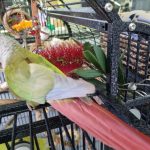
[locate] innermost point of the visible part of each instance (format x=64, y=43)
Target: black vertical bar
x=94, y=141
x=128, y=56
x=72, y=134
x=83, y=141
x=137, y=61
x=7, y=146
x=147, y=58
x=36, y=143
x=61, y=138
x=68, y=28
x=31, y=131
x=66, y=131
x=77, y=144
x=102, y=146
x=127, y=62
x=89, y=140
x=137, y=57
x=49, y=134
x=14, y=132
x=113, y=59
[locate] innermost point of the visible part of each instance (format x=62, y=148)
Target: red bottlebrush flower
x=67, y=55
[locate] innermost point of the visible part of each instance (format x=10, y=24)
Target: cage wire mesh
x=133, y=45
x=21, y=119
x=135, y=48
x=17, y=123
x=80, y=32
x=80, y=20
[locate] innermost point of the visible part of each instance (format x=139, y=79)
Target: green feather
x=25, y=81
x=26, y=72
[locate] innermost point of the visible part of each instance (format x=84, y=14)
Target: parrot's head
x=7, y=45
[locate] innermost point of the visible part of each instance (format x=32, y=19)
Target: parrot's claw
x=29, y=107
x=38, y=114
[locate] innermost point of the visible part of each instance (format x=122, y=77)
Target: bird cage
x=124, y=37
x=98, y=22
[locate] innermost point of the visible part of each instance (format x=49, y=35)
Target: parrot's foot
x=98, y=100
x=38, y=114
x=4, y=87
x=29, y=107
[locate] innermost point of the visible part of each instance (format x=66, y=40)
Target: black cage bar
x=97, y=22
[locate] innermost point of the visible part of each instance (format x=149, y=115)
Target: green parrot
x=34, y=79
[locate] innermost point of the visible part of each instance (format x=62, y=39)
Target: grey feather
x=66, y=87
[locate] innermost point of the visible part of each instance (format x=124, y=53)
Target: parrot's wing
x=66, y=87
x=35, y=58
x=30, y=81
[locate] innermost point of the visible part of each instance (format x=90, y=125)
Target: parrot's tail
x=66, y=87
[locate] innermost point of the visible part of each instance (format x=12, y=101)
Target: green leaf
x=88, y=74
x=92, y=59
x=87, y=46
x=101, y=57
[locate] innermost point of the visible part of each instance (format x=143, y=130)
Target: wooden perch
x=103, y=125
x=8, y=101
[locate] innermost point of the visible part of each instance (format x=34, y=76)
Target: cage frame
x=115, y=26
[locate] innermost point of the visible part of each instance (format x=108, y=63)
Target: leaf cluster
x=98, y=70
